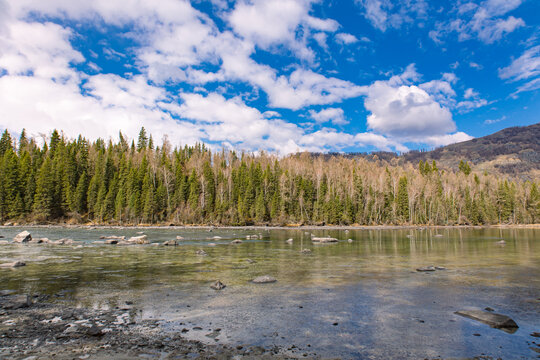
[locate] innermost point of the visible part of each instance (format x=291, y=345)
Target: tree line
x=128, y=182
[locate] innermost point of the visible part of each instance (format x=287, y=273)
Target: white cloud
x=475, y=66
x=334, y=115
x=443, y=140
x=346, y=38
x=484, y=21
x=384, y=14
x=524, y=67
x=406, y=112
x=470, y=93
x=494, y=121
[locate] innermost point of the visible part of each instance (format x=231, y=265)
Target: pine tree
x=142, y=143
x=403, y=199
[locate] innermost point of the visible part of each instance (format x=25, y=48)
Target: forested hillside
x=123, y=182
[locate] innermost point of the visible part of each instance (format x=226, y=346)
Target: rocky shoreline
x=31, y=327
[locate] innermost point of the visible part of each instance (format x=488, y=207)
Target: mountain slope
x=514, y=150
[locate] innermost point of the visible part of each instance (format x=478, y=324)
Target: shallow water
x=369, y=287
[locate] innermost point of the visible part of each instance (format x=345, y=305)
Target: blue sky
x=275, y=75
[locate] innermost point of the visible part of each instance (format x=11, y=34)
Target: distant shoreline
x=262, y=227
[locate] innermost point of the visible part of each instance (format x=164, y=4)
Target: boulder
x=110, y=241
x=170, y=243
x=13, y=264
x=501, y=243
x=350, y=240
x=237, y=241
x=141, y=239
x=497, y=321
x=290, y=241
x=39, y=241
x=201, y=252
x=218, y=285
x=324, y=240
x=265, y=279
x=426, y=268
x=4, y=242
x=22, y=237
x=179, y=238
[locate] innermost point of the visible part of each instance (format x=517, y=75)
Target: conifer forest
x=130, y=182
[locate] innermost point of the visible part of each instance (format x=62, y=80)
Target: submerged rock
x=251, y=261
x=22, y=237
x=4, y=242
x=110, y=241
x=112, y=237
x=350, y=241
x=15, y=301
x=218, y=285
x=62, y=242
x=265, y=279
x=170, y=243
x=237, y=241
x=14, y=264
x=305, y=251
x=501, y=243
x=40, y=241
x=290, y=241
x=324, y=240
x=141, y=239
x=201, y=252
x=497, y=321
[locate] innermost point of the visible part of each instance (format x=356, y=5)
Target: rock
x=217, y=237
x=63, y=242
x=350, y=240
x=94, y=331
x=426, y=268
x=179, y=238
x=8, y=223
x=141, y=239
x=4, y=242
x=251, y=237
x=15, y=301
x=112, y=237
x=290, y=241
x=40, y=241
x=501, y=243
x=438, y=235
x=497, y=321
x=22, y=237
x=218, y=285
x=440, y=268
x=251, y=261
x=201, y=252
x=265, y=279
x=535, y=334
x=305, y=251
x=212, y=244
x=110, y=241
x=170, y=243
x=2, y=236
x=489, y=309
x=324, y=240
x=13, y=264
x=237, y=241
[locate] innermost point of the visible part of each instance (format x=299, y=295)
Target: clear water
x=369, y=287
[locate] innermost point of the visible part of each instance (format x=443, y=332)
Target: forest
x=123, y=182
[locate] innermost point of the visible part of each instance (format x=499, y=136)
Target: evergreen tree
x=403, y=199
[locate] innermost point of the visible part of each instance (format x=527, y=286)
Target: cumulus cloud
x=406, y=112
x=334, y=115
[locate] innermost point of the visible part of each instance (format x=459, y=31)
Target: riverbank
x=33, y=328
x=271, y=227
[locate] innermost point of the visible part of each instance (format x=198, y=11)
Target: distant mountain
x=513, y=151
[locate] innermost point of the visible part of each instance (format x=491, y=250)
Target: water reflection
x=369, y=287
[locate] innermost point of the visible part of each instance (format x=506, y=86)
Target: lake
x=352, y=299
